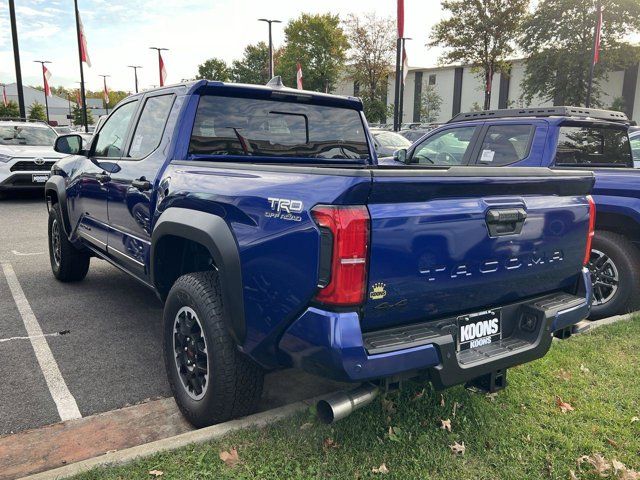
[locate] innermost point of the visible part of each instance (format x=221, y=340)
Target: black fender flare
x=214, y=234
x=57, y=185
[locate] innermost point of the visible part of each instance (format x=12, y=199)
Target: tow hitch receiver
x=489, y=383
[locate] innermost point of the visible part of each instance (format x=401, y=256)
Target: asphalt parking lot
x=101, y=338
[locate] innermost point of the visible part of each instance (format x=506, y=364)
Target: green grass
x=518, y=434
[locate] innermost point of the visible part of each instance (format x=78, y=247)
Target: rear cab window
x=593, y=146
x=505, y=144
x=246, y=127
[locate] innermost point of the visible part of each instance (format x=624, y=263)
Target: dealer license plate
x=39, y=178
x=479, y=329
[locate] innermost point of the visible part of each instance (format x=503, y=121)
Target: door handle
x=103, y=177
x=506, y=221
x=141, y=184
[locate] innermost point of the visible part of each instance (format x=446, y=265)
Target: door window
x=445, y=148
x=150, y=126
x=505, y=144
x=113, y=133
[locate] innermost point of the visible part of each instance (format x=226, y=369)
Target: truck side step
x=489, y=383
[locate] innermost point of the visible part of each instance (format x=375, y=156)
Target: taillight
x=344, y=245
x=592, y=229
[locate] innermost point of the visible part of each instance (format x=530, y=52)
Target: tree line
x=555, y=38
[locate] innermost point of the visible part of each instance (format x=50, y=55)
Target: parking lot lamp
x=16, y=58
x=135, y=74
x=270, y=44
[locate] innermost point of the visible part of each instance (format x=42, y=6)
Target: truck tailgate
x=449, y=242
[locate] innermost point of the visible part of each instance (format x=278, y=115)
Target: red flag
x=106, y=92
x=400, y=18
x=299, y=76
x=4, y=96
x=596, y=49
x=46, y=74
x=84, y=52
x=78, y=99
x=163, y=70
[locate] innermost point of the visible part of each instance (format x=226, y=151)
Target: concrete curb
x=586, y=325
x=172, y=443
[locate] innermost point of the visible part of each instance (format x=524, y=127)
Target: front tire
x=615, y=275
x=68, y=264
x=211, y=381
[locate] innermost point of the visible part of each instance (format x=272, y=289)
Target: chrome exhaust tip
x=342, y=404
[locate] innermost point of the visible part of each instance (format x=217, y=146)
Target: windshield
x=269, y=128
x=391, y=139
x=27, y=135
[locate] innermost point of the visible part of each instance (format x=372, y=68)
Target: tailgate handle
x=505, y=221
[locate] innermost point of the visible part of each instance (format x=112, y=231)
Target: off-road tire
x=626, y=258
x=234, y=381
x=69, y=264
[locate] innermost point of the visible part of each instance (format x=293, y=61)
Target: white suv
x=26, y=154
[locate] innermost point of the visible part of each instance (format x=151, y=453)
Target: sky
x=120, y=32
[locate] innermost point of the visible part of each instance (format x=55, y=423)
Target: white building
x=59, y=107
x=460, y=88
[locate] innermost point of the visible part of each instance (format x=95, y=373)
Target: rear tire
x=211, y=381
x=68, y=264
x=615, y=275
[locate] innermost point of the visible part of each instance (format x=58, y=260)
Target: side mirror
x=69, y=144
x=400, y=155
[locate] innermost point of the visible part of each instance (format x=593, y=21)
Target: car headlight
x=5, y=158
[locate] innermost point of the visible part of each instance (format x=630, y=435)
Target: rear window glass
x=269, y=128
x=593, y=146
x=505, y=144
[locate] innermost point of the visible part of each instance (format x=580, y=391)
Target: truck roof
x=563, y=113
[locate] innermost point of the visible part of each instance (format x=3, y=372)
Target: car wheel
x=68, y=264
x=211, y=381
x=615, y=277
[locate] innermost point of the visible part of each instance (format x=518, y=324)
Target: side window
x=445, y=148
x=148, y=133
x=635, y=149
x=114, y=132
x=505, y=144
x=593, y=146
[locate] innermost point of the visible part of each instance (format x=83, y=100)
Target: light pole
x=135, y=74
x=16, y=58
x=45, y=85
x=106, y=92
x=270, y=44
x=160, y=62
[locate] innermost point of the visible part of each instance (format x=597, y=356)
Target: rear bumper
x=333, y=345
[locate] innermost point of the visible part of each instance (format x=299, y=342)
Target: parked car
x=26, y=154
x=414, y=134
x=385, y=142
x=634, y=138
x=259, y=216
x=560, y=137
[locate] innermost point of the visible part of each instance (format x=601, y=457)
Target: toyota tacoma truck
x=566, y=138
x=260, y=217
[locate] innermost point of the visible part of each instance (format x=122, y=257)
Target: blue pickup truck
x=558, y=137
x=260, y=217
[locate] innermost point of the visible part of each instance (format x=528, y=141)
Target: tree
x=254, y=65
x=10, y=111
x=320, y=45
x=481, y=33
x=430, y=104
x=77, y=116
x=558, y=40
x=371, y=57
x=37, y=112
x=214, y=69
x=618, y=105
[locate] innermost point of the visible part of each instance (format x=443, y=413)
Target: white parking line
x=19, y=254
x=66, y=404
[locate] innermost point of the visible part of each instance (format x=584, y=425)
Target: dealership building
x=461, y=90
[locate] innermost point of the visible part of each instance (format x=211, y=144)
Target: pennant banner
x=299, y=76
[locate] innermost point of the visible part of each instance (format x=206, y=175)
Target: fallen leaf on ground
x=455, y=408
x=612, y=442
x=600, y=464
x=156, y=473
x=418, y=395
x=564, y=375
x=584, y=369
x=230, y=458
x=572, y=475
x=441, y=400
x=306, y=426
x=617, y=466
x=564, y=406
x=388, y=405
x=635, y=419
x=458, y=448
x=330, y=443
x=445, y=425
x=381, y=469
x=491, y=396
x=394, y=434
